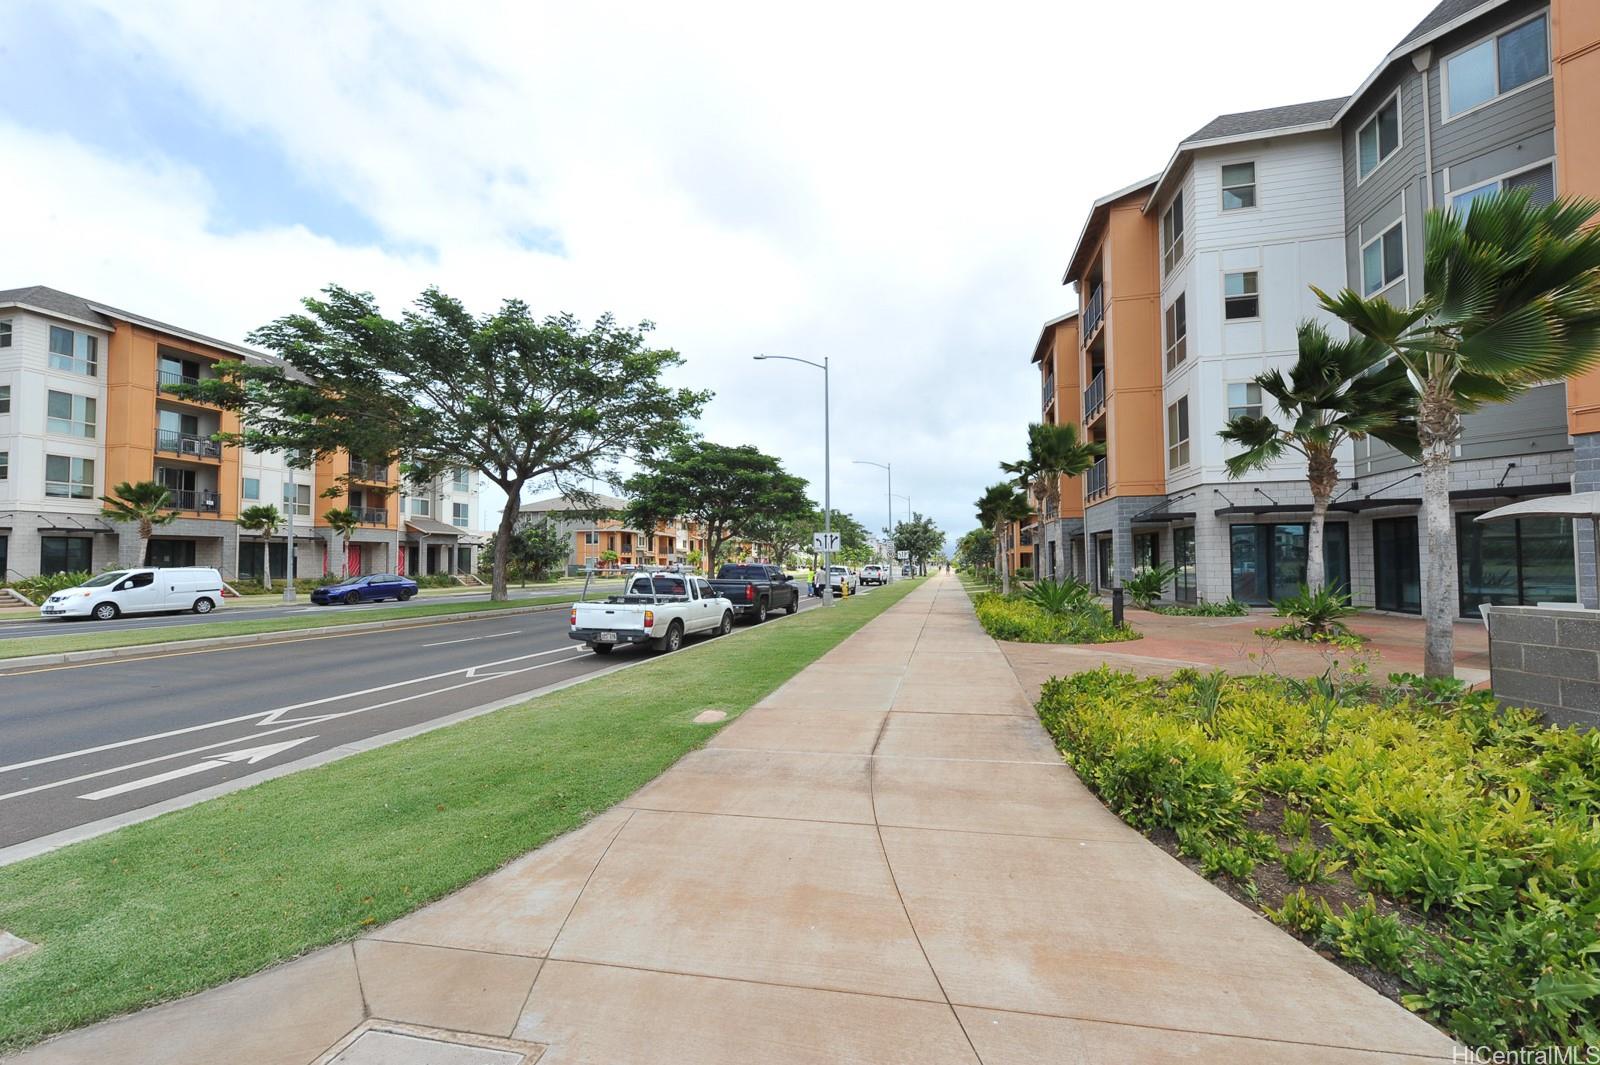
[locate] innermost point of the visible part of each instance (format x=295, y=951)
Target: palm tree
x=1337, y=390
x=262, y=518
x=1512, y=300
x=343, y=521
x=1054, y=452
x=145, y=502
x=999, y=506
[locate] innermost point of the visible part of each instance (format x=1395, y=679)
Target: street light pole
x=887, y=468
x=827, y=474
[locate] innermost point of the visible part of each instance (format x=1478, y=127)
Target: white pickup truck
x=655, y=608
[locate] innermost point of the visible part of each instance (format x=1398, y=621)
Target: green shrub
x=1060, y=597
x=1229, y=608
x=1015, y=618
x=43, y=587
x=1147, y=584
x=1475, y=829
x=1022, y=573
x=1314, y=614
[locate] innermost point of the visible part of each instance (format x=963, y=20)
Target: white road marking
x=250, y=756
x=470, y=639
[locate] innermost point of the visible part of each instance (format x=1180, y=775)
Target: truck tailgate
x=609, y=616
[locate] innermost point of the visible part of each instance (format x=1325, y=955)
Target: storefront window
x=1269, y=561
x=1526, y=561
x=170, y=553
x=64, y=554
x=1184, y=585
x=1396, y=568
x=1146, y=551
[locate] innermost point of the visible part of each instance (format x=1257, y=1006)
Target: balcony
x=1096, y=482
x=1049, y=395
x=173, y=379
x=1094, y=397
x=371, y=515
x=172, y=442
x=1094, y=313
x=370, y=472
x=200, y=501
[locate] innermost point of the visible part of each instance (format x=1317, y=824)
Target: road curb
x=139, y=650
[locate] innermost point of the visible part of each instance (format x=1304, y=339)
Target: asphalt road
x=87, y=741
x=25, y=627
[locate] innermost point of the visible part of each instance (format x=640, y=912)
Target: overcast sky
x=897, y=187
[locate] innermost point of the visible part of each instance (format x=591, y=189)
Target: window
x=1146, y=551
x=5, y=334
x=1383, y=260
x=170, y=553
x=1177, y=332
x=5, y=465
x=458, y=515
x=1529, y=560
x=174, y=370
x=74, y=352
x=69, y=414
x=65, y=554
x=5, y=399
x=1178, y=434
x=66, y=477
x=1378, y=139
x=462, y=481
x=1540, y=181
x=1496, y=66
x=421, y=507
x=1244, y=400
x=591, y=537
x=1238, y=186
x=1172, y=234
x=1269, y=561
x=1184, y=585
x=251, y=488
x=1240, y=296
x=300, y=500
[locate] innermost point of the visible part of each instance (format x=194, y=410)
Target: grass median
x=89, y=640
x=225, y=888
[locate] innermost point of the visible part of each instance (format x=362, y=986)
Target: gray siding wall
x=1534, y=423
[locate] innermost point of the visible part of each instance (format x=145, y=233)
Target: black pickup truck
x=756, y=590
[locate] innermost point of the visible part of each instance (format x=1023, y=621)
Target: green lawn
x=196, y=897
x=83, y=636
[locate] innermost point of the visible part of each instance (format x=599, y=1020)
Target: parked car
x=841, y=577
x=144, y=590
x=755, y=590
x=907, y=571
x=661, y=609
x=872, y=573
x=368, y=589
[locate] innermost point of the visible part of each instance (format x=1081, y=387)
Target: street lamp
x=908, y=504
x=888, y=468
x=827, y=484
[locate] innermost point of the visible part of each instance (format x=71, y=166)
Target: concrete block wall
x=1547, y=660
x=1586, y=478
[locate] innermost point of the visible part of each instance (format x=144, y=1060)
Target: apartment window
x=1178, y=434
x=5, y=334
x=297, y=497
x=1540, y=181
x=462, y=481
x=1172, y=234
x=1496, y=66
x=74, y=352
x=591, y=537
x=1383, y=259
x=1238, y=186
x=1378, y=139
x=1185, y=584
x=65, y=554
x=1241, y=295
x=173, y=370
x=1146, y=551
x=66, y=477
x=69, y=414
x=421, y=507
x=458, y=515
x=5, y=465
x=251, y=488
x=1177, y=323
x=5, y=399
x=1244, y=400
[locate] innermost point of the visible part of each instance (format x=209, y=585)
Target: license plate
x=608, y=637
x=53, y=610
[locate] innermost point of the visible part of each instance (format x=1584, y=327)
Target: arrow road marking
x=249, y=756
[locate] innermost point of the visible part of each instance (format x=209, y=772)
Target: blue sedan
x=367, y=589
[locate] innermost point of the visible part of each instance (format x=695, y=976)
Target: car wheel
x=761, y=611
x=727, y=623
x=673, y=639
x=203, y=606
x=106, y=612
x=352, y=598
x=406, y=595
x=793, y=606
x=602, y=648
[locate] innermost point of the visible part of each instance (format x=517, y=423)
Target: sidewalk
x=885, y=861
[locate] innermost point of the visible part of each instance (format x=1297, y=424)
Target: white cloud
x=895, y=186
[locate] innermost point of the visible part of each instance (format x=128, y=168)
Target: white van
x=144, y=590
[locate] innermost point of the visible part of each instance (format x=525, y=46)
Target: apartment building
x=86, y=403
x=1058, y=528
x=1251, y=210
x=595, y=527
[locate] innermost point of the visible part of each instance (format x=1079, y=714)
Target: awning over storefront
x=430, y=527
x=1513, y=491
x=1278, y=508
x=1162, y=517
x=61, y=524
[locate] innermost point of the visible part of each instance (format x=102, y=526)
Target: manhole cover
x=406, y=1045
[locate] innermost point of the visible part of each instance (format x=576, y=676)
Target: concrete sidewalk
x=886, y=861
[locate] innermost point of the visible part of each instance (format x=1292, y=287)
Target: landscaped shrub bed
x=1016, y=618
x=1228, y=608
x=1445, y=850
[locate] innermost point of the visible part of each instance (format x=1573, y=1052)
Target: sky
x=896, y=187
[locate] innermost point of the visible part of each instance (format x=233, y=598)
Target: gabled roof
x=1044, y=334
x=1446, y=12
x=1096, y=221
x=569, y=505
x=1446, y=16
x=1241, y=127
x=54, y=301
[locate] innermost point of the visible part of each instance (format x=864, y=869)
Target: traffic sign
x=902, y=554
x=825, y=542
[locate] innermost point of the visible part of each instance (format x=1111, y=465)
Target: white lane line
x=248, y=757
x=267, y=716
x=470, y=639
x=285, y=728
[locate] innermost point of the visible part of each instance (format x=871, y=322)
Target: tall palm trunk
x=266, y=562
x=1001, y=562
x=1323, y=471
x=1438, y=428
x=146, y=530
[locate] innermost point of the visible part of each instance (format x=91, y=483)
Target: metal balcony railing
x=1049, y=393
x=201, y=501
x=1094, y=313
x=369, y=471
x=1094, y=397
x=188, y=445
x=371, y=515
x=172, y=379
x=1096, y=480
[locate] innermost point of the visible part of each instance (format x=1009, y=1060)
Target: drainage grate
x=376, y=1043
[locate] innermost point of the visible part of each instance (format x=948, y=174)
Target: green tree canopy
x=920, y=536
x=537, y=546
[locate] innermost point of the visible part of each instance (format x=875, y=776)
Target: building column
x=1585, y=478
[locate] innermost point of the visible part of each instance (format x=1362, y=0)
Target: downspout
x=1421, y=60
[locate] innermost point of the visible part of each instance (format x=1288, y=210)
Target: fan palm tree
x=1512, y=300
x=263, y=518
x=1337, y=390
x=343, y=521
x=999, y=506
x=1054, y=452
x=144, y=502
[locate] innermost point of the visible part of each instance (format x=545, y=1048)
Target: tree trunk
x=266, y=563
x=1005, y=563
x=1438, y=426
x=1323, y=471
x=502, y=541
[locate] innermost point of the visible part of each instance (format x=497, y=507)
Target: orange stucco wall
x=1065, y=358
x=1134, y=414
x=1575, y=37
